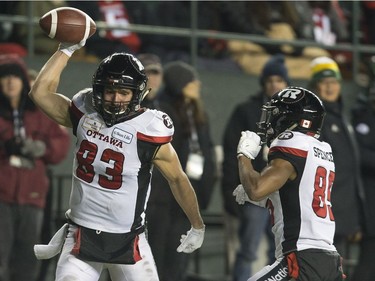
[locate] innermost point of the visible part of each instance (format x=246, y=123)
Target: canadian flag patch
x=305, y=123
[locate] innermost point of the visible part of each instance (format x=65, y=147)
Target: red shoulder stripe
x=289, y=150
x=75, y=115
x=153, y=139
x=75, y=112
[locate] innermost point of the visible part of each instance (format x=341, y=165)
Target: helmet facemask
x=265, y=130
x=114, y=108
x=118, y=71
x=273, y=122
x=114, y=112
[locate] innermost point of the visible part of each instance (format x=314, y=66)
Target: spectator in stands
x=253, y=221
x=363, y=120
x=147, y=13
x=8, y=44
x=29, y=142
x=274, y=19
x=181, y=100
x=175, y=14
x=42, y=43
x=105, y=42
x=154, y=72
x=368, y=27
x=330, y=25
x=347, y=193
x=6, y=28
x=311, y=20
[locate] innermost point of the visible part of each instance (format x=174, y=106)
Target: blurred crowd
x=324, y=22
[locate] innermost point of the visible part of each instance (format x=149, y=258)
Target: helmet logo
x=291, y=95
x=167, y=121
x=285, y=135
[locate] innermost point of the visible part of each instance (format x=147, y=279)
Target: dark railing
x=194, y=33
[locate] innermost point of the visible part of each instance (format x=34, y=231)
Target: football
x=68, y=25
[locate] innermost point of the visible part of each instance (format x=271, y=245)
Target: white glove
x=249, y=144
x=54, y=246
x=192, y=240
x=70, y=48
x=241, y=195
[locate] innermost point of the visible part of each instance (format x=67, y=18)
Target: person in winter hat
x=29, y=142
x=177, y=75
x=347, y=191
x=181, y=100
x=275, y=66
x=325, y=67
x=14, y=95
x=154, y=72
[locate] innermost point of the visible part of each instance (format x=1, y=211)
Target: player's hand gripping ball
x=67, y=25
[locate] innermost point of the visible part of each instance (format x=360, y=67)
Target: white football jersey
x=301, y=210
x=113, y=166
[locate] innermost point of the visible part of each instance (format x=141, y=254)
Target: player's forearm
x=249, y=178
x=49, y=76
x=186, y=198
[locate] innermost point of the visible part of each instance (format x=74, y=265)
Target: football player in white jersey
x=295, y=186
x=118, y=144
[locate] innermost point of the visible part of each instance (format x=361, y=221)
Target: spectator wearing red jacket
x=29, y=142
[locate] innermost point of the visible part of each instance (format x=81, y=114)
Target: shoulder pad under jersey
x=293, y=140
x=154, y=126
x=83, y=101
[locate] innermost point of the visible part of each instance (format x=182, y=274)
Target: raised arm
x=43, y=92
